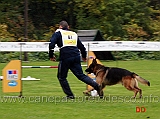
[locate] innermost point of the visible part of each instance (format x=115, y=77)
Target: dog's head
x=91, y=67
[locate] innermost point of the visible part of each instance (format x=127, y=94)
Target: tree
x=116, y=19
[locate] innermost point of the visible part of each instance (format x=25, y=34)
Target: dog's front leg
x=87, y=92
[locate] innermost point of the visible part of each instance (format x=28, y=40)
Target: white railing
x=90, y=46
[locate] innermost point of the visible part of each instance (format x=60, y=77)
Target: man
x=69, y=45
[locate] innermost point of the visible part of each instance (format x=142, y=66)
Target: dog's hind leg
x=139, y=90
x=129, y=84
x=136, y=89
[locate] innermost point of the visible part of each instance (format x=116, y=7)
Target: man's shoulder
x=58, y=30
x=66, y=30
x=57, y=33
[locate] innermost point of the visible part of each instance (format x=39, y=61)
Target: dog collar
x=99, y=71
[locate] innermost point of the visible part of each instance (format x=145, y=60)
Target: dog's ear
x=94, y=61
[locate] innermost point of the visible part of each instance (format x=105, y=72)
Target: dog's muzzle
x=88, y=71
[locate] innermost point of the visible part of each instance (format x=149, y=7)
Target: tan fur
x=132, y=85
x=141, y=80
x=128, y=82
x=128, y=79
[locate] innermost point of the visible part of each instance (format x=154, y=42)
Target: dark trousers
x=74, y=64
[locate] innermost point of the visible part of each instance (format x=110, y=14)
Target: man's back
x=68, y=42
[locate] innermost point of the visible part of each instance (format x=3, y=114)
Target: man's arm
x=82, y=49
x=52, y=43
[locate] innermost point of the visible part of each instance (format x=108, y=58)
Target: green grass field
x=44, y=99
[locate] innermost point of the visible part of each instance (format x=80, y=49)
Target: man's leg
x=78, y=72
x=62, y=75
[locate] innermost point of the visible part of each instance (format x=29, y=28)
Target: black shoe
x=101, y=94
x=100, y=91
x=70, y=97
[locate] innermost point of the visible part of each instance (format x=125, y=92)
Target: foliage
x=12, y=16
x=48, y=34
x=7, y=56
x=130, y=55
x=32, y=56
x=118, y=19
x=43, y=56
x=4, y=34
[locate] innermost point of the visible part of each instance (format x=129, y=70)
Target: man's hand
x=53, y=59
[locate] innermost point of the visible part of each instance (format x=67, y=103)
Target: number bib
x=69, y=38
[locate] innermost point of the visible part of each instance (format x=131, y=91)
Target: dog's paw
x=133, y=97
x=140, y=96
x=86, y=93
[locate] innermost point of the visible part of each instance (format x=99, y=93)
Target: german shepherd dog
x=111, y=76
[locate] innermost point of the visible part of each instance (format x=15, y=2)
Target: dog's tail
x=141, y=80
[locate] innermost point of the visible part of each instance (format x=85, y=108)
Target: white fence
x=90, y=46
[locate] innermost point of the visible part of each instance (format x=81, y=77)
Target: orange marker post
x=12, y=77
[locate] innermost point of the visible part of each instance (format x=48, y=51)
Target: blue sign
x=12, y=83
